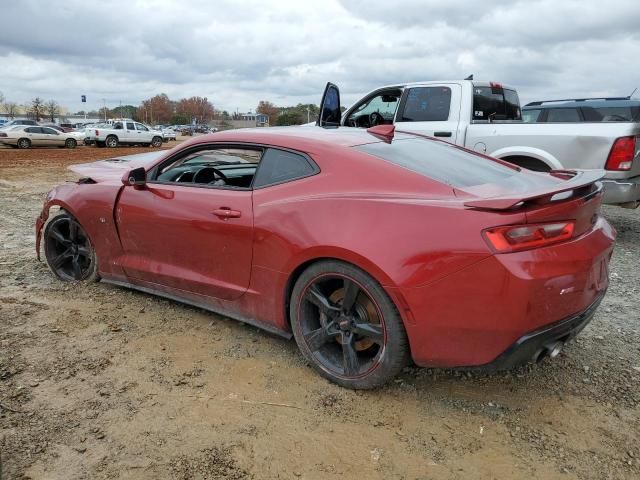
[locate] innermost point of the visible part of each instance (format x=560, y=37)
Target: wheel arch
x=352, y=258
x=522, y=152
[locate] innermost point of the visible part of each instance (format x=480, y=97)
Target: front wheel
x=70, y=143
x=69, y=252
x=346, y=326
x=24, y=143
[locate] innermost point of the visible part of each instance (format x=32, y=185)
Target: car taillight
x=514, y=238
x=97, y=132
x=621, y=154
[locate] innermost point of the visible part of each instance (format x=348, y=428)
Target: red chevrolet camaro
x=369, y=247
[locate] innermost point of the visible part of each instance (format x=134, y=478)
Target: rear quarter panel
x=571, y=145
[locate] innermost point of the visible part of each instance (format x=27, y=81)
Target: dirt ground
x=100, y=382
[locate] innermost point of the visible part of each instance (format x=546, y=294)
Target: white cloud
x=237, y=53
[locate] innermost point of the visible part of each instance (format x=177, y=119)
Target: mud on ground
x=101, y=382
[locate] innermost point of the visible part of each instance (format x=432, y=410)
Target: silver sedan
x=27, y=136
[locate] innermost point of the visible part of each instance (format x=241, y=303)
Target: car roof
x=585, y=103
x=297, y=137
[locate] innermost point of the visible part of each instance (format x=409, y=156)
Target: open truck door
x=330, y=112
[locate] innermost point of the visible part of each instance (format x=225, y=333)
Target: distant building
x=244, y=120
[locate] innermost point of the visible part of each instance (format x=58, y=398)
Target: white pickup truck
x=485, y=117
x=122, y=131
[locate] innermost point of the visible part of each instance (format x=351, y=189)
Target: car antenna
x=634, y=91
x=470, y=77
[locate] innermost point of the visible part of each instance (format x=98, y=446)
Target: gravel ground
x=101, y=382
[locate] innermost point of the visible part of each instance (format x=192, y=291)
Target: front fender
x=56, y=197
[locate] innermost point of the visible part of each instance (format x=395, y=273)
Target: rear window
x=440, y=161
x=495, y=103
x=611, y=114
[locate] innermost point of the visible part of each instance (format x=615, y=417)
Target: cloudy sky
x=239, y=52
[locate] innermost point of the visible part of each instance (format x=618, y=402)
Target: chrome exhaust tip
x=554, y=349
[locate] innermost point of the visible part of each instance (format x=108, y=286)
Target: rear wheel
x=156, y=142
x=346, y=326
x=111, y=141
x=70, y=143
x=24, y=143
x=68, y=250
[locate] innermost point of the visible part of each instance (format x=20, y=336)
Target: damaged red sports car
x=370, y=248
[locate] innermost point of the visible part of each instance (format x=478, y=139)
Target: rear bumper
x=621, y=191
x=528, y=347
x=471, y=317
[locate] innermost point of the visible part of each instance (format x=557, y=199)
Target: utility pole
x=308, y=114
x=104, y=108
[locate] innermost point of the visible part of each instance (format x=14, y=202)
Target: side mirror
x=136, y=177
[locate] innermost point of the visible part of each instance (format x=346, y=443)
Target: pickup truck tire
x=156, y=142
x=111, y=141
x=529, y=163
x=70, y=143
x=24, y=143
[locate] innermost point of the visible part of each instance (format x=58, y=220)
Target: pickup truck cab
x=485, y=117
x=122, y=131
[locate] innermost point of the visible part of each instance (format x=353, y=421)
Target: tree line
x=38, y=109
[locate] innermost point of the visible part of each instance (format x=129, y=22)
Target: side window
x=279, y=166
x=49, y=131
x=531, y=116
x=212, y=166
x=426, y=104
x=130, y=126
x=32, y=130
x=141, y=127
x=563, y=115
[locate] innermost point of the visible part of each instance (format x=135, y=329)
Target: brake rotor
x=365, y=310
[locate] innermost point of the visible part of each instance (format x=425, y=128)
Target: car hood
x=114, y=168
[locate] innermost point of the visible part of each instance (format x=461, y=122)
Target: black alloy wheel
x=68, y=250
x=346, y=325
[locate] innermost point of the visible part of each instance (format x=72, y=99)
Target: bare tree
x=11, y=108
x=52, y=108
x=36, y=109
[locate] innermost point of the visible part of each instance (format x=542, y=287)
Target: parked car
x=369, y=247
x=25, y=136
x=168, y=134
x=613, y=109
x=486, y=117
x=125, y=131
x=60, y=128
x=19, y=122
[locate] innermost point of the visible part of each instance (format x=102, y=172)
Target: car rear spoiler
x=582, y=183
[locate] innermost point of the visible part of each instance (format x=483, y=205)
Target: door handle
x=441, y=134
x=226, y=212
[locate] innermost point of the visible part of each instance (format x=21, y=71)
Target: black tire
x=362, y=347
x=68, y=249
x=156, y=142
x=70, y=143
x=529, y=163
x=111, y=141
x=23, y=143
x=99, y=144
